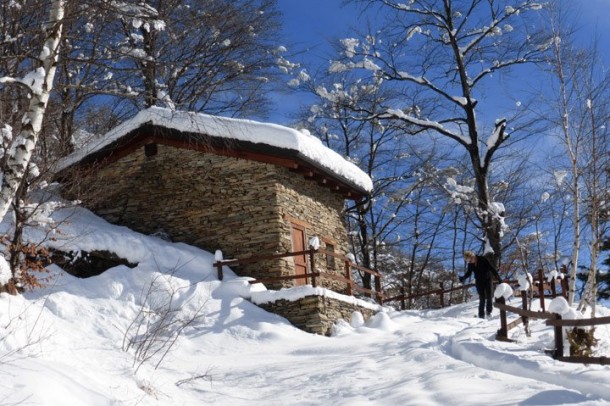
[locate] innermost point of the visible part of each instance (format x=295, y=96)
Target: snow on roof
x=237, y=129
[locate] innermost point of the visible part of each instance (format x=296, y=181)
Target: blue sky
x=309, y=26
x=312, y=23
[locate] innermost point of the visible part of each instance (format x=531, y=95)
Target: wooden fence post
x=526, y=320
x=558, y=339
x=378, y=292
x=442, y=295
x=502, y=334
x=219, y=270
x=348, y=276
x=553, y=288
x=403, y=302
x=312, y=266
x=541, y=288
x=564, y=286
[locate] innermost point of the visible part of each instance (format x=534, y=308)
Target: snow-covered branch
x=427, y=124
x=498, y=65
x=495, y=140
x=423, y=81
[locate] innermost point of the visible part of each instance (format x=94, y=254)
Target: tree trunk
x=364, y=247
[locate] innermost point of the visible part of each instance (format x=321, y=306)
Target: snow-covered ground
x=75, y=341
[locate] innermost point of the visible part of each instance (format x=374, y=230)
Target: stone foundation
x=315, y=314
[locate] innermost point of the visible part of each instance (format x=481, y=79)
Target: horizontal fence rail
x=542, y=288
x=314, y=273
x=403, y=298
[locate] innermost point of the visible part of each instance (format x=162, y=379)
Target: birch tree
x=38, y=84
x=580, y=114
x=443, y=56
x=595, y=176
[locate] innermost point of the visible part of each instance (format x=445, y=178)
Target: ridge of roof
x=310, y=147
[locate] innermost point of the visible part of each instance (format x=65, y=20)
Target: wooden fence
x=314, y=273
x=558, y=325
x=441, y=292
x=542, y=288
x=551, y=319
x=524, y=316
x=542, y=285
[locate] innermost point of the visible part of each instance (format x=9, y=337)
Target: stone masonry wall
x=302, y=199
x=214, y=202
x=315, y=314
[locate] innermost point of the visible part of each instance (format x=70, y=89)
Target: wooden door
x=300, y=261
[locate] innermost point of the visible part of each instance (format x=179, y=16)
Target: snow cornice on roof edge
x=307, y=147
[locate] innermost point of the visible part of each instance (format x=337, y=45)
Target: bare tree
x=161, y=319
x=581, y=113
x=442, y=56
x=402, y=170
x=595, y=176
x=214, y=56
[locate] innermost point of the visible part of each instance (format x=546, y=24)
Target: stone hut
x=243, y=187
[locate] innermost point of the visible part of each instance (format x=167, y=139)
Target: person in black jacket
x=483, y=273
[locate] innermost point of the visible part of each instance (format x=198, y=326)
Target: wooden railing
x=314, y=273
x=541, y=285
x=558, y=324
x=524, y=316
x=552, y=319
x=440, y=292
x=542, y=288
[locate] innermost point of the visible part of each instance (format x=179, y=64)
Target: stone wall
x=215, y=202
x=315, y=314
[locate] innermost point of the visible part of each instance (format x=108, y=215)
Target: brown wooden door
x=300, y=261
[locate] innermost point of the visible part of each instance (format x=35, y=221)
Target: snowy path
x=405, y=359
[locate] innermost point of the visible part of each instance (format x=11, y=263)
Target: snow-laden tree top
x=308, y=146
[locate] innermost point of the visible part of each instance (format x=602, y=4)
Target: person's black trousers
x=484, y=289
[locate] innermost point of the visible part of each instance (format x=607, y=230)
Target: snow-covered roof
x=307, y=146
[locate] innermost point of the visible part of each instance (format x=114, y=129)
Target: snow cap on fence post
x=560, y=306
x=218, y=256
x=314, y=243
x=525, y=281
x=503, y=290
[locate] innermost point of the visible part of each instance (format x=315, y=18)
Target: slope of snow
x=66, y=344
